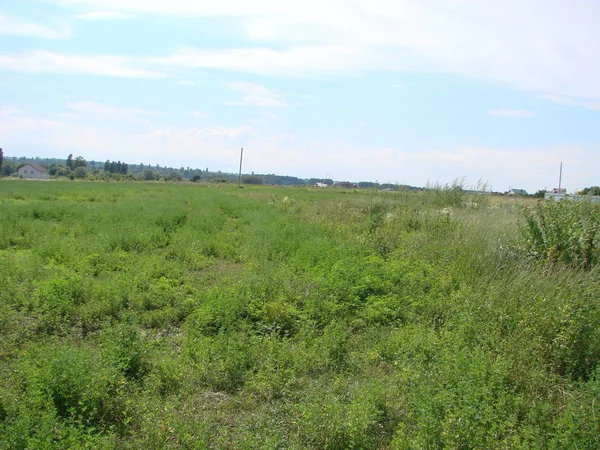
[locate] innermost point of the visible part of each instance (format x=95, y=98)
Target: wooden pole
x=240, y=174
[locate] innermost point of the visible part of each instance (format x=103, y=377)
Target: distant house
x=517, y=192
x=33, y=171
x=321, y=185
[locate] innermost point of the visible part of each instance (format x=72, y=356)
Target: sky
x=399, y=91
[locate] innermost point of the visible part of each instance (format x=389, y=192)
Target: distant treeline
x=66, y=168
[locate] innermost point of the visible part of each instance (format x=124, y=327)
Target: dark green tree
x=150, y=175
x=592, y=190
x=79, y=162
x=1, y=159
x=252, y=179
x=70, y=161
x=80, y=172
x=172, y=176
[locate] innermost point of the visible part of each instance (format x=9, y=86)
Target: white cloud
x=106, y=110
x=294, y=61
x=14, y=125
x=6, y=111
x=104, y=15
x=197, y=114
x=510, y=42
x=45, y=62
x=216, y=146
x=514, y=113
x=567, y=101
x=21, y=27
x=270, y=115
x=256, y=95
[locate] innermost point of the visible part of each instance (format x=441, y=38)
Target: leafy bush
x=80, y=172
x=564, y=231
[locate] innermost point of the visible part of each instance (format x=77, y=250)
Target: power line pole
x=240, y=174
x=560, y=178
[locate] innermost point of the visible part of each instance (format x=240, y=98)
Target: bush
x=252, y=179
x=565, y=231
x=80, y=172
x=172, y=176
x=150, y=175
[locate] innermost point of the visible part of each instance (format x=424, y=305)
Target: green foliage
x=79, y=162
x=592, y=190
x=252, y=179
x=566, y=232
x=161, y=315
x=80, y=172
x=150, y=175
x=173, y=176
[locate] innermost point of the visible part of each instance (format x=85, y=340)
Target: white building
x=573, y=198
x=33, y=171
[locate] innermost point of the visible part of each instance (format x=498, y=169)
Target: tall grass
x=159, y=316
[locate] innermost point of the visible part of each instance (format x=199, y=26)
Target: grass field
x=185, y=316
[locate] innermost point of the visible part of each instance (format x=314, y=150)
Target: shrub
x=565, y=231
x=80, y=172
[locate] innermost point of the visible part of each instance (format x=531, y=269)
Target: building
x=33, y=171
x=572, y=198
x=517, y=192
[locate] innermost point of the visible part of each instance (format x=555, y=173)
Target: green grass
x=186, y=316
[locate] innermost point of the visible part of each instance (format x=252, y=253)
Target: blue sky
x=405, y=91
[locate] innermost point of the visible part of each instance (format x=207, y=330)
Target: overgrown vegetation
x=565, y=231
x=185, y=316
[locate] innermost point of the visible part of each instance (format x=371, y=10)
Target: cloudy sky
x=400, y=91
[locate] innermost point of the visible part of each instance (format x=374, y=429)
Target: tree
x=70, y=161
x=79, y=162
x=1, y=159
x=173, y=176
x=150, y=175
x=80, y=172
x=540, y=193
x=592, y=190
x=252, y=179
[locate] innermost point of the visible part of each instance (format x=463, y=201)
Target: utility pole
x=240, y=174
x=560, y=178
